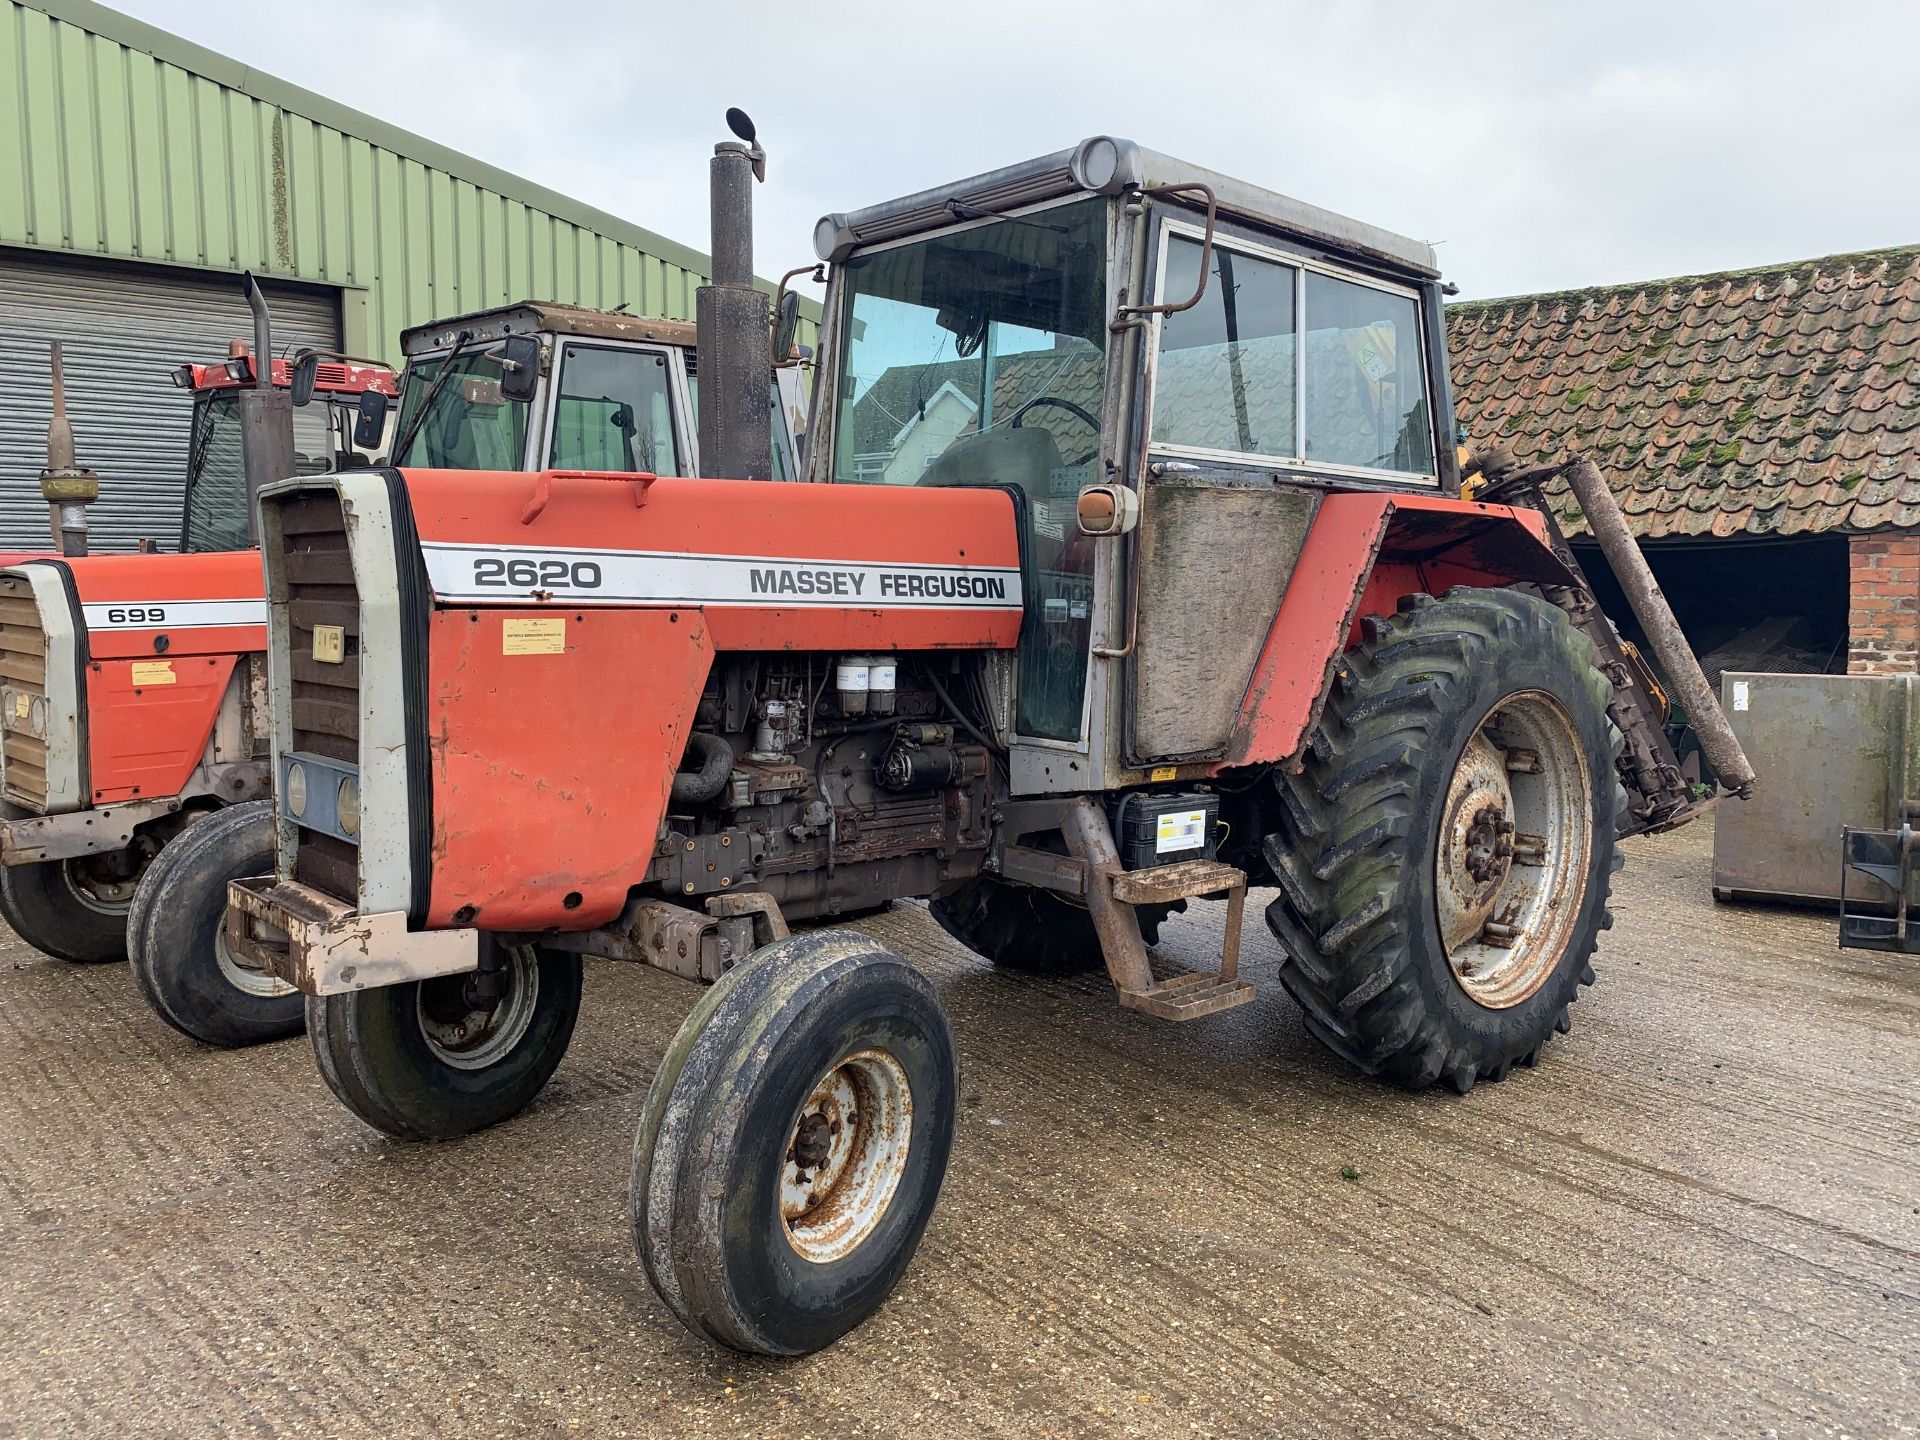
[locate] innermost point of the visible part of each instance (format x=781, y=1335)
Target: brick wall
x=1883, y=595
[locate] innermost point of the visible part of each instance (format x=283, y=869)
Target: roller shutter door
x=125, y=329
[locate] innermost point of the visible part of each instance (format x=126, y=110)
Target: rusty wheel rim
x=1516, y=835
x=845, y=1156
x=102, y=894
x=467, y=1036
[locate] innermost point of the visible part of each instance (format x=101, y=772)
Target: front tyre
x=437, y=1059
x=74, y=909
x=1444, y=856
x=793, y=1144
x=177, y=934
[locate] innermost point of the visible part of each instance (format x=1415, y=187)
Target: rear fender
x=1364, y=552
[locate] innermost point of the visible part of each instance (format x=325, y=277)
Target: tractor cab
x=324, y=436
x=1104, y=329
x=542, y=386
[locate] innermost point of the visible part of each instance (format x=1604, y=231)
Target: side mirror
x=519, y=367
x=1108, y=510
x=786, y=326
x=306, y=369
x=370, y=425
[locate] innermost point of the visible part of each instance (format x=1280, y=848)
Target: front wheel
x=1445, y=853
x=437, y=1059
x=74, y=909
x=793, y=1144
x=177, y=934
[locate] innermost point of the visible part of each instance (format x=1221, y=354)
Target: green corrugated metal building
x=140, y=174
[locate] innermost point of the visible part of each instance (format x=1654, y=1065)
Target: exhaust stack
x=266, y=413
x=736, y=417
x=67, y=486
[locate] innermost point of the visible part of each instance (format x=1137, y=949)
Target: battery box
x=1161, y=829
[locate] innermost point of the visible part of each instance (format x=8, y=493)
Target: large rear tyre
x=177, y=934
x=438, y=1059
x=73, y=909
x=1445, y=855
x=1033, y=931
x=793, y=1144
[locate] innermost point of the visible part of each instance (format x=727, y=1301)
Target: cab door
x=616, y=407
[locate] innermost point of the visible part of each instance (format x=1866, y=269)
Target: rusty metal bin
x=1835, y=751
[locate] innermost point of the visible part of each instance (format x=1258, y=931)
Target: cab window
x=614, y=411
x=472, y=426
x=1228, y=375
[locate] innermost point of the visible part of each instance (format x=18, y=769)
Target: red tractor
x=1133, y=571
x=130, y=821
x=133, y=687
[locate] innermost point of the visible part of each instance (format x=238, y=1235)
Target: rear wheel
x=793, y=1144
x=1034, y=931
x=1445, y=854
x=74, y=909
x=177, y=934
x=437, y=1059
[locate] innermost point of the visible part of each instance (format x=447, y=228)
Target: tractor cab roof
x=528, y=316
x=1106, y=165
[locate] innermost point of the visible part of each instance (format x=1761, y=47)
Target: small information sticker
x=533, y=637
x=22, y=708
x=1164, y=772
x=153, y=672
x=1742, y=695
x=1180, y=830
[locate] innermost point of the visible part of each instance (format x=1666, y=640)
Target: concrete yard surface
x=1700, y=1216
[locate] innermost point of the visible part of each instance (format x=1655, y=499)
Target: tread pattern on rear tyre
x=1346, y=836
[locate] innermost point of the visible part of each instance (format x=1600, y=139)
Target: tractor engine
x=831, y=783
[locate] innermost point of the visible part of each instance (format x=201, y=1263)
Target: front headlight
x=296, y=790
x=37, y=715
x=349, y=806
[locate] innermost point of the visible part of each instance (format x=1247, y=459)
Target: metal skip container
x=1839, y=752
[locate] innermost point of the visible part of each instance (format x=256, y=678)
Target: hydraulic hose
x=697, y=786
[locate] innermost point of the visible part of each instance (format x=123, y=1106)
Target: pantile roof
x=1782, y=400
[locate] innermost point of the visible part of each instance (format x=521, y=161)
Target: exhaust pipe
x=1650, y=607
x=266, y=414
x=736, y=415
x=262, y=365
x=66, y=485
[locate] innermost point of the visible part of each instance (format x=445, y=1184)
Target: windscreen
x=471, y=426
x=998, y=326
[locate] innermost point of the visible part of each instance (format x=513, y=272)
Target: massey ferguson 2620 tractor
x=1132, y=570
x=132, y=816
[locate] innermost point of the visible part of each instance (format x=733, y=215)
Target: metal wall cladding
x=112, y=151
x=123, y=330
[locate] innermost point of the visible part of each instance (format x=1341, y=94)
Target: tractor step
x=1199, y=992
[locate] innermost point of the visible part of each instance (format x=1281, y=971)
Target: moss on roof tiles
x=1697, y=391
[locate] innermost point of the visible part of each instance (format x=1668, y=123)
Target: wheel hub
x=846, y=1155
x=471, y=1027
x=1515, y=838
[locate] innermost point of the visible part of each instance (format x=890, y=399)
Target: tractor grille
x=326, y=695
x=23, y=669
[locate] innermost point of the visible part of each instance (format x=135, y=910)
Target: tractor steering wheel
x=1093, y=421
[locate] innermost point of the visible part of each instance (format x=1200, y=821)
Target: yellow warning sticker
x=21, y=707
x=153, y=672
x=1164, y=772
x=533, y=637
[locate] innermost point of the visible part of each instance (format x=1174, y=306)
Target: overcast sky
x=1540, y=145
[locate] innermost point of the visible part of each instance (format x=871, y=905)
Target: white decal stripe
x=620, y=577
x=173, y=614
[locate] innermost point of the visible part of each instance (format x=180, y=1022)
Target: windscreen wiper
x=961, y=210
x=433, y=394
